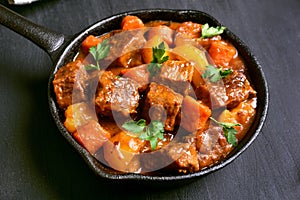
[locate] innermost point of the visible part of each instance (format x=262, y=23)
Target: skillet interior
x=112, y=23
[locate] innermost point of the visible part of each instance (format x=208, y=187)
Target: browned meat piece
x=185, y=156
x=206, y=42
x=140, y=74
x=212, y=146
x=116, y=94
x=162, y=104
x=189, y=29
x=125, y=47
x=176, y=75
x=238, y=89
x=69, y=84
x=187, y=32
x=234, y=89
x=237, y=64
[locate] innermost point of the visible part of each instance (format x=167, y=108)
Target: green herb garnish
x=98, y=52
x=157, y=58
x=214, y=74
x=152, y=132
x=229, y=131
x=136, y=127
x=208, y=32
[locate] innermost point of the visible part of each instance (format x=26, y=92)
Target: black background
x=37, y=163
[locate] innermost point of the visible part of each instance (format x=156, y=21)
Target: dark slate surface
x=37, y=163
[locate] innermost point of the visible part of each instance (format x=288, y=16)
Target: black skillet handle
x=48, y=40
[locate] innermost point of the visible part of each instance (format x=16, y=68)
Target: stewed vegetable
x=157, y=97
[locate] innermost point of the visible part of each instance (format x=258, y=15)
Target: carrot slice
x=221, y=52
x=89, y=42
x=194, y=114
x=92, y=136
x=131, y=22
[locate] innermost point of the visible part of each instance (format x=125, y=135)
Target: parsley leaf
x=214, y=74
x=151, y=133
x=208, y=32
x=135, y=127
x=98, y=52
x=229, y=131
x=157, y=58
x=158, y=54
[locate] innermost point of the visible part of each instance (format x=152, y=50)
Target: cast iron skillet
x=62, y=49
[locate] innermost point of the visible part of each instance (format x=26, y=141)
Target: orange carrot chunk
x=92, y=136
x=131, y=22
x=194, y=114
x=89, y=42
x=221, y=53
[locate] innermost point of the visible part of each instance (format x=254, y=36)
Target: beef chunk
x=116, y=94
x=234, y=89
x=69, y=84
x=212, y=146
x=206, y=42
x=125, y=47
x=179, y=155
x=189, y=29
x=176, y=75
x=237, y=64
x=187, y=32
x=185, y=156
x=162, y=104
x=238, y=88
x=140, y=74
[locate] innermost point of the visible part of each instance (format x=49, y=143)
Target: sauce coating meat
x=157, y=97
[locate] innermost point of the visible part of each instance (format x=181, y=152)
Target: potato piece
x=228, y=116
x=162, y=31
x=242, y=114
x=194, y=114
x=189, y=52
x=77, y=115
x=121, y=150
x=92, y=136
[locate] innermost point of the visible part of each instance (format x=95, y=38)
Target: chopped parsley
x=151, y=133
x=229, y=131
x=207, y=32
x=214, y=74
x=98, y=52
x=157, y=58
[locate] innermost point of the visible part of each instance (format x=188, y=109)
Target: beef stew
x=156, y=78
